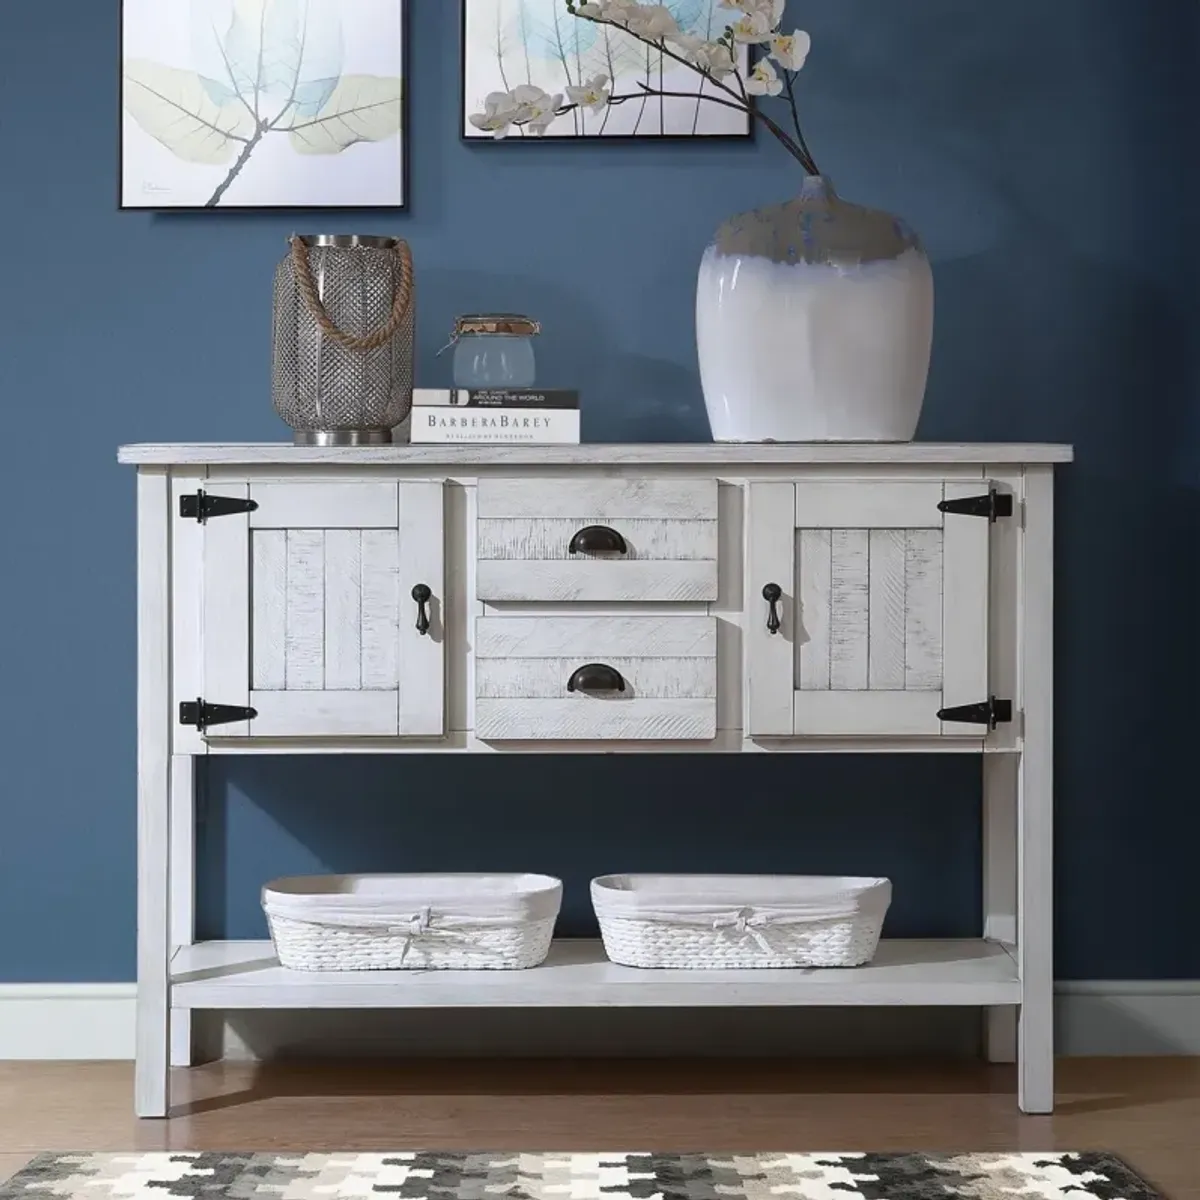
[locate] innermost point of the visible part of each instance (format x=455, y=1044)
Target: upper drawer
x=661, y=534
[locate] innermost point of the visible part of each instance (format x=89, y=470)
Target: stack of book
x=525, y=415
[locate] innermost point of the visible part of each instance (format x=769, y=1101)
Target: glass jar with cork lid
x=494, y=350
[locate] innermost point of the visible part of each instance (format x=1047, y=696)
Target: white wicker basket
x=735, y=921
x=412, y=922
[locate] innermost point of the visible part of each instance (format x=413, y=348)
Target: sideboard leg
x=183, y=889
x=1000, y=890
x=1035, y=790
x=151, y=1076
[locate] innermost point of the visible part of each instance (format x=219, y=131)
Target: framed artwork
x=507, y=43
x=248, y=104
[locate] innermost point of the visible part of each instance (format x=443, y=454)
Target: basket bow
x=747, y=923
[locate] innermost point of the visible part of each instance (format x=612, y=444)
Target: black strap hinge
x=200, y=715
x=994, y=504
x=990, y=712
x=201, y=506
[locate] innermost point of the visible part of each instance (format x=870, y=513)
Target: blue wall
x=1045, y=151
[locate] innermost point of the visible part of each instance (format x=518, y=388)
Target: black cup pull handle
x=596, y=677
x=597, y=539
x=422, y=595
x=772, y=594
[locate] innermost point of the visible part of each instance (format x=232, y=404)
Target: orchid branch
x=744, y=105
x=803, y=145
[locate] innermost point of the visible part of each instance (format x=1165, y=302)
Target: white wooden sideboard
x=666, y=598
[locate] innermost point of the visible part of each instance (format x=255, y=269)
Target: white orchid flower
x=651, y=21
x=544, y=112
x=764, y=81
x=595, y=11
x=593, y=94
x=753, y=27
x=499, y=112
x=619, y=12
x=791, y=49
x=711, y=57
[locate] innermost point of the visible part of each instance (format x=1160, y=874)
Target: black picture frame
x=405, y=19
x=653, y=139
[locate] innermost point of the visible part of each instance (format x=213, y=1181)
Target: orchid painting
x=714, y=65
x=557, y=71
x=262, y=103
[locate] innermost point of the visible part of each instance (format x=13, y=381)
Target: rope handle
x=401, y=299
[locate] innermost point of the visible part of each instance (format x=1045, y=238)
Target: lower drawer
x=596, y=678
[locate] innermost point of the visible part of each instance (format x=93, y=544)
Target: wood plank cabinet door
x=308, y=612
x=882, y=610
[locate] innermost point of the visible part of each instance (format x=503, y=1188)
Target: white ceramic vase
x=814, y=321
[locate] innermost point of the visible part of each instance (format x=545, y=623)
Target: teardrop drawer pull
x=596, y=677
x=422, y=595
x=597, y=539
x=772, y=594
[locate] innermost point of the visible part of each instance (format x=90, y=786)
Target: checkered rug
x=426, y=1175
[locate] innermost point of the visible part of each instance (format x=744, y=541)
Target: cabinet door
x=883, y=614
x=308, y=611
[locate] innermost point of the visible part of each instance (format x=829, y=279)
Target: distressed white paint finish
x=154, y=720
x=523, y=666
x=849, y=612
x=866, y=714
x=308, y=505
x=887, y=609
x=380, y=609
x=182, y=887
x=596, y=719
x=226, y=620
x=645, y=678
x=923, y=610
x=727, y=607
x=1021, y=786
x=622, y=455
x=595, y=638
x=421, y=662
x=328, y=615
x=814, y=583
x=846, y=504
x=1000, y=887
x=597, y=580
x=304, y=640
x=1035, y=803
x=965, y=570
x=525, y=529
x=187, y=607
x=599, y=500
x=534, y=539
x=768, y=671
x=323, y=714
x=461, y=607
x=1004, y=604
x=343, y=609
x=268, y=588
x=1000, y=775
x=578, y=975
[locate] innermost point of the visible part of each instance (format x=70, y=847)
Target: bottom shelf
x=577, y=975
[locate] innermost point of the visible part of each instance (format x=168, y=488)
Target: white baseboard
x=1093, y=1018
x=1134, y=1018
x=66, y=1020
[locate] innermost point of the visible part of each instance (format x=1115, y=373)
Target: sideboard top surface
x=724, y=454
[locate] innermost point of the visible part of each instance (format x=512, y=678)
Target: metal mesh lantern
x=343, y=339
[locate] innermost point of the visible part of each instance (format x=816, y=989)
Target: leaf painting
x=245, y=85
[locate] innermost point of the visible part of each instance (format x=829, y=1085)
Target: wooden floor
x=1146, y=1110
